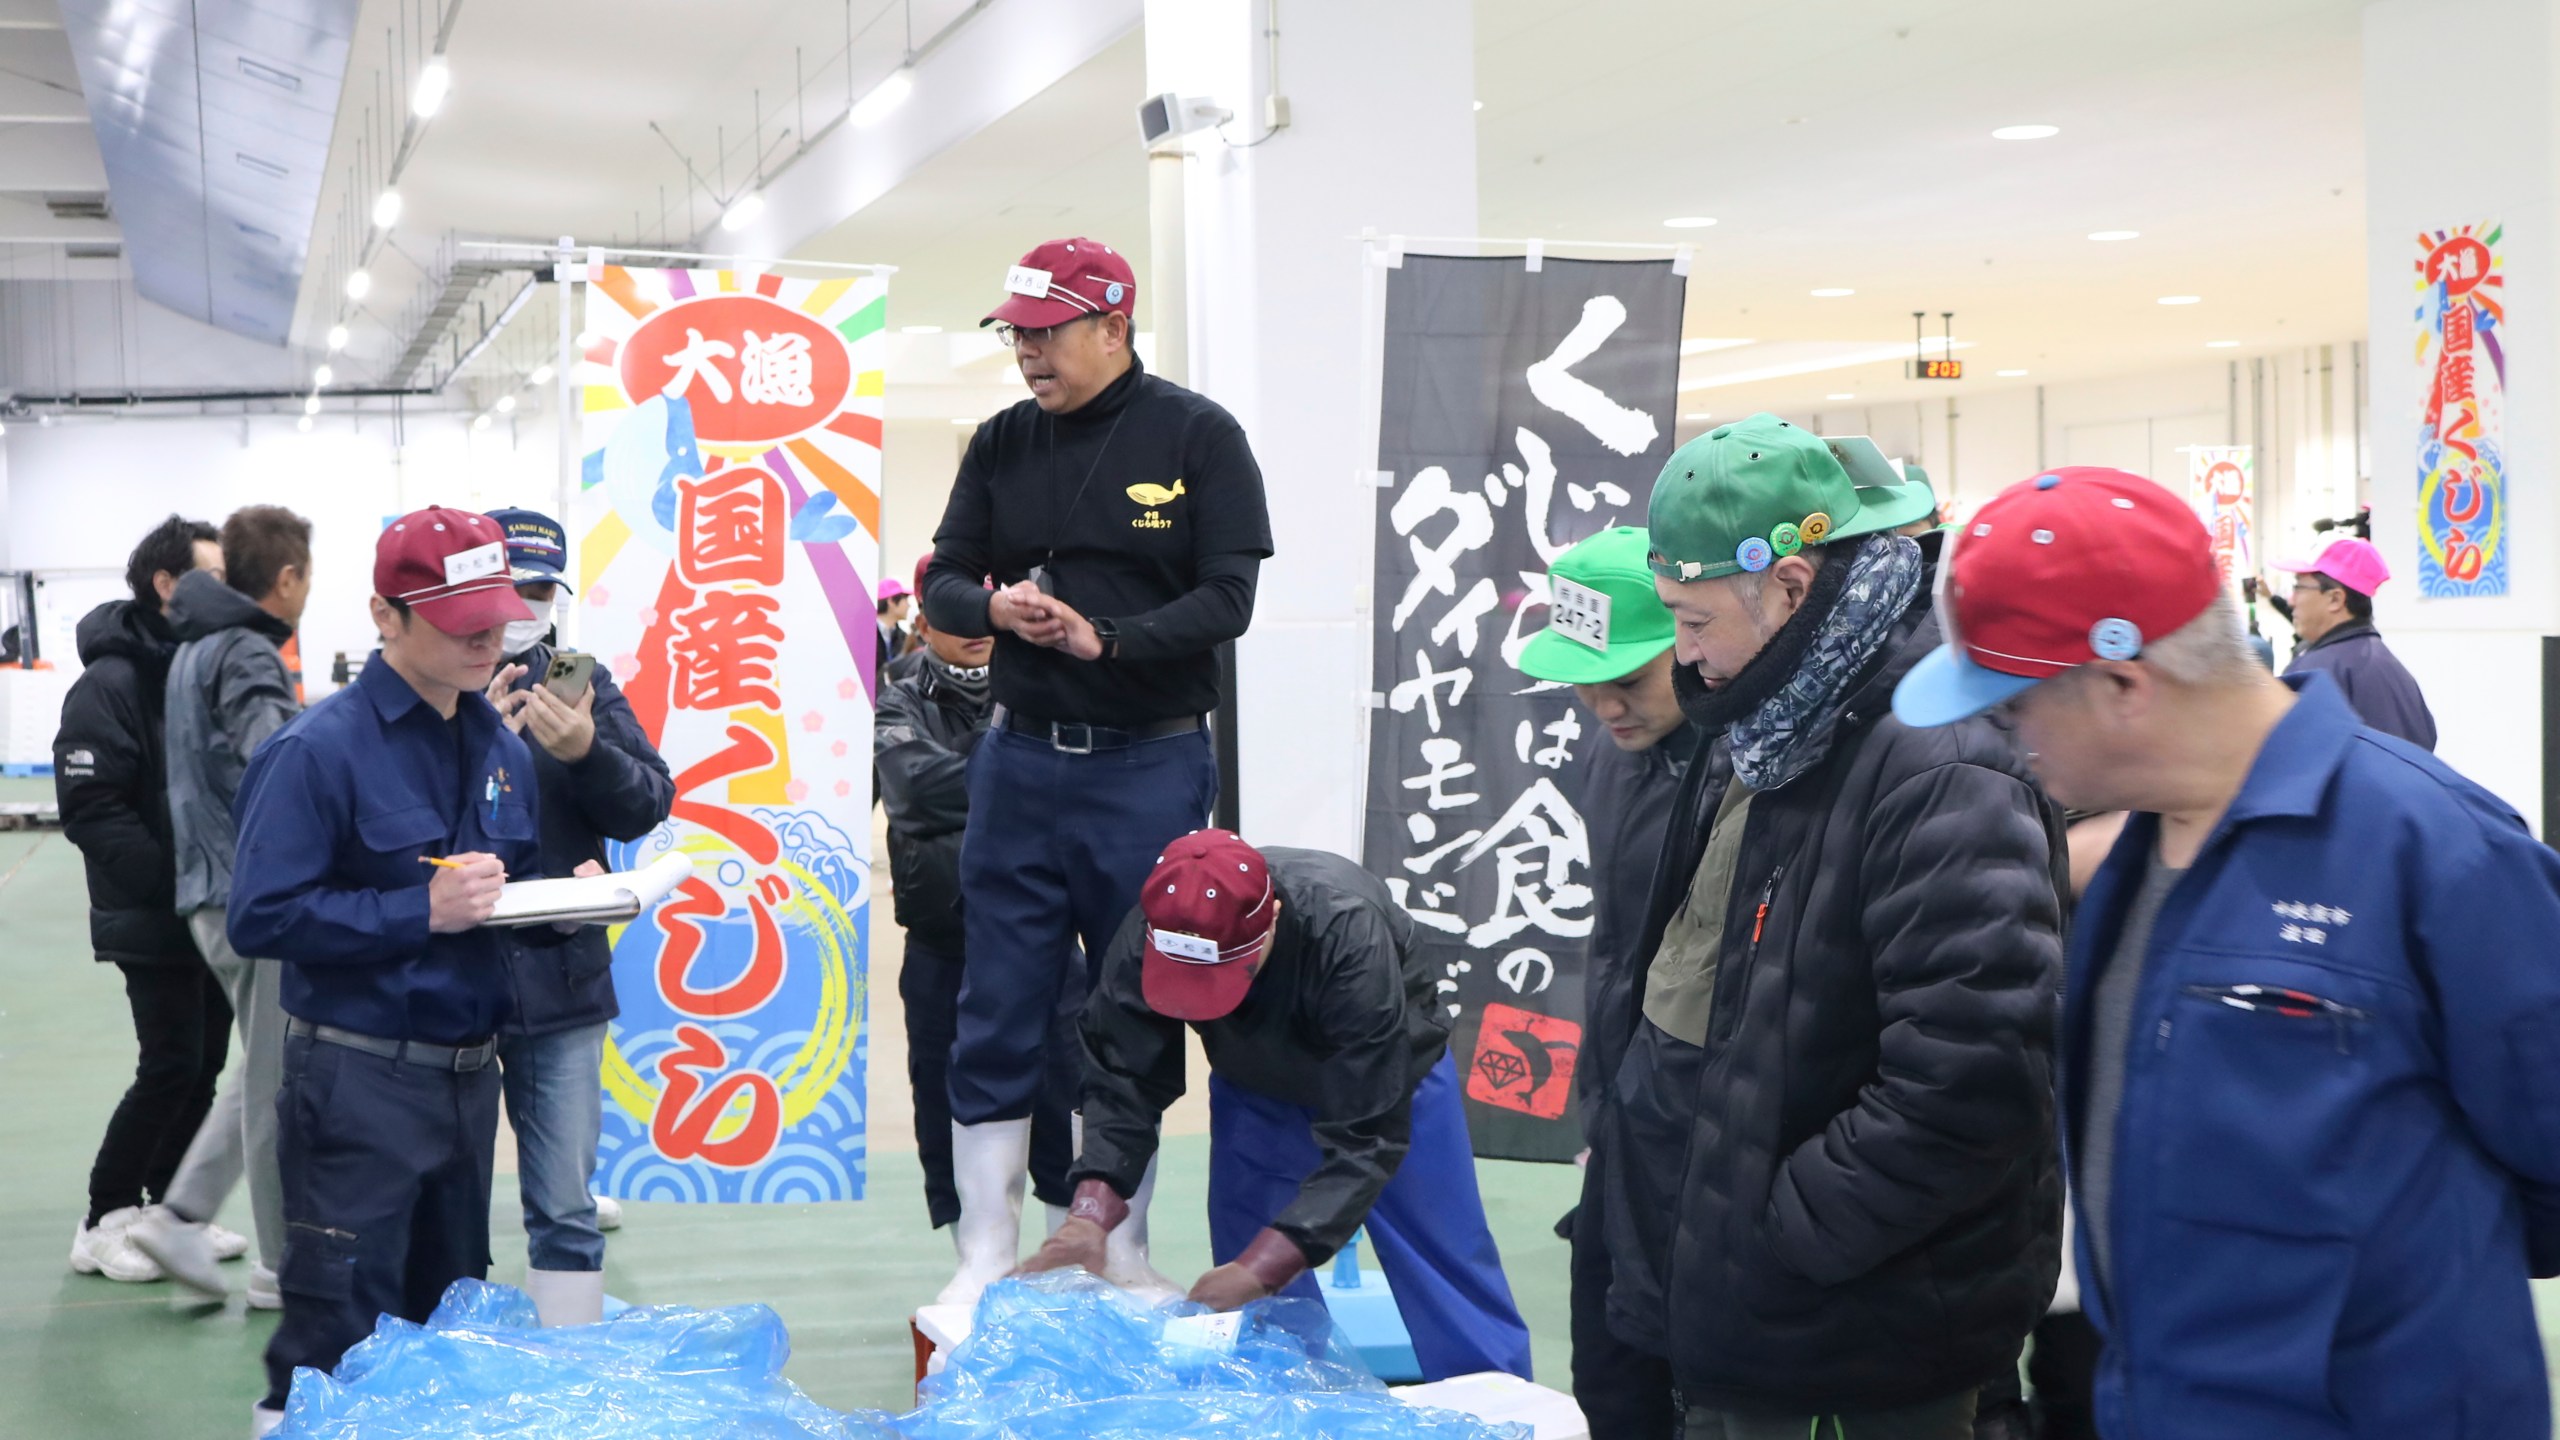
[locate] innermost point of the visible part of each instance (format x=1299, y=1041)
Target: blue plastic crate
x=1364, y=1305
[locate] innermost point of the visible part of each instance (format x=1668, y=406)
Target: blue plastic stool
x=1364, y=1305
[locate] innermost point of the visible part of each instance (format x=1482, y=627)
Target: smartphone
x=571, y=672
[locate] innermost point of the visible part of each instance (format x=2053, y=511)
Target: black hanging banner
x=1522, y=409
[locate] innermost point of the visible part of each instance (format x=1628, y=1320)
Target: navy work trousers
x=1428, y=1226
x=386, y=1167
x=1057, y=845
x=929, y=990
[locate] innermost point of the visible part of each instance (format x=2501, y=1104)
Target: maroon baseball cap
x=451, y=567
x=2075, y=565
x=1065, y=280
x=1210, y=911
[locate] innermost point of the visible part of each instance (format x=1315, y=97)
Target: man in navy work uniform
x=1332, y=1097
x=1122, y=520
x=2312, y=1098
x=2332, y=615
x=375, y=833
x=600, y=780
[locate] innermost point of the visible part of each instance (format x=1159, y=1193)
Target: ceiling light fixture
x=1832, y=292
x=359, y=284
x=2109, y=236
x=1841, y=395
x=2222, y=344
x=337, y=338
x=386, y=209
x=311, y=406
x=4, y=429
x=2181, y=299
x=322, y=376
x=1688, y=222
x=884, y=98
x=1479, y=105
x=2008, y=374
x=743, y=212
x=2026, y=132
x=434, y=83
x=506, y=404
x=303, y=424
x=541, y=375
x=586, y=340
x=480, y=422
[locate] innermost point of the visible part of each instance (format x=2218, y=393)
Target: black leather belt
x=1077, y=739
x=461, y=1058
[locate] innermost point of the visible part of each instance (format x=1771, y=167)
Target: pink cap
x=2352, y=563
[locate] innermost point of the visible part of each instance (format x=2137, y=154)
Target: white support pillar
x=1380, y=134
x=2462, y=127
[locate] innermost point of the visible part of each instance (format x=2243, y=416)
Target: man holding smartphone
x=1122, y=519
x=600, y=780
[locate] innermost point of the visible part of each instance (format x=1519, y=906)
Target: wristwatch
x=1108, y=632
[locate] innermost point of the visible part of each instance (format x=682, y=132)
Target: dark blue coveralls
x=389, y=1108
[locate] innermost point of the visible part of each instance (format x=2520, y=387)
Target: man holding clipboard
x=394, y=993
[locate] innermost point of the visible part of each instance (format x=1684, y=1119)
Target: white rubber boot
x=566, y=1297
x=1124, y=1253
x=991, y=1167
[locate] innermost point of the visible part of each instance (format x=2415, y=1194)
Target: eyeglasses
x=1011, y=335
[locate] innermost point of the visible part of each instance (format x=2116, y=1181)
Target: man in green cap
x=1609, y=638
x=1834, y=1206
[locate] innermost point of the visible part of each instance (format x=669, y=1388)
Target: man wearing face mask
x=601, y=780
x=1837, y=1207
x=1333, y=1101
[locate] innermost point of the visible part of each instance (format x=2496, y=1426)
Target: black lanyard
x=1060, y=527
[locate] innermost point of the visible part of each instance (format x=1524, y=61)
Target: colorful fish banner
x=2462, y=428
x=730, y=524
x=2222, y=486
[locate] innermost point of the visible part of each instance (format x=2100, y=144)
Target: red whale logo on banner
x=755, y=372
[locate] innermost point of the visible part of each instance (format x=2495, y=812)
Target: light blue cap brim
x=1947, y=686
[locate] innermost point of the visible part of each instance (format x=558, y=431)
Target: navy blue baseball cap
x=537, y=548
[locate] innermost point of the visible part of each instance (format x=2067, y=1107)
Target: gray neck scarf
x=1791, y=731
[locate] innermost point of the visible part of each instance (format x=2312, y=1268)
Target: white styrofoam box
x=30, y=713
x=1503, y=1399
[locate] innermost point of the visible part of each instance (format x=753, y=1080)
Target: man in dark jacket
x=110, y=777
x=228, y=691
x=2310, y=1092
x=1333, y=1102
x=930, y=722
x=1837, y=1205
x=1609, y=638
x=2332, y=614
x=601, y=780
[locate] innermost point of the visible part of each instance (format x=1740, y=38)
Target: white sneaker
x=107, y=1249
x=227, y=1243
x=264, y=1422
x=181, y=1250
x=262, y=1291
x=608, y=1213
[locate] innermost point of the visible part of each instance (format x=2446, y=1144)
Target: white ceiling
x=1837, y=142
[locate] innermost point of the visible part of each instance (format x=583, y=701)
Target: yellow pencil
x=440, y=862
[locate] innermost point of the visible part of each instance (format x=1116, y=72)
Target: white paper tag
x=490, y=559
x=1178, y=946
x=1579, y=614
x=1214, y=1333
x=1023, y=280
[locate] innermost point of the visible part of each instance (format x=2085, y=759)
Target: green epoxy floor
x=84, y=1358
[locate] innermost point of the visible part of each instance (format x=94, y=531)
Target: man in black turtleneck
x=1122, y=518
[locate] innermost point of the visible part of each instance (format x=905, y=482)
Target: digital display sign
x=1937, y=369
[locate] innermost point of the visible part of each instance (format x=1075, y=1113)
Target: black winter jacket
x=920, y=747
x=1849, y=1197
x=620, y=791
x=110, y=778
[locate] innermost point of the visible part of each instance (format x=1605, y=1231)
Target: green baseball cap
x=1744, y=495
x=1604, y=621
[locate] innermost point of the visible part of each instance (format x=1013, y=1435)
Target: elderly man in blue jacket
x=2312, y=1098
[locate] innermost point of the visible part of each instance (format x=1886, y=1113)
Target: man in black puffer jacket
x=931, y=719
x=111, y=779
x=1839, y=1209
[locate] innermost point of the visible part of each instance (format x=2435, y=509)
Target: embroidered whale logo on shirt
x=1153, y=496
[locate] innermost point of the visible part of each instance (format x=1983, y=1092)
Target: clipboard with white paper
x=591, y=899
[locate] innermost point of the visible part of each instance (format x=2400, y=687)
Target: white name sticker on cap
x=1579, y=614
x=490, y=559
x=1023, y=280
x=1190, y=949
